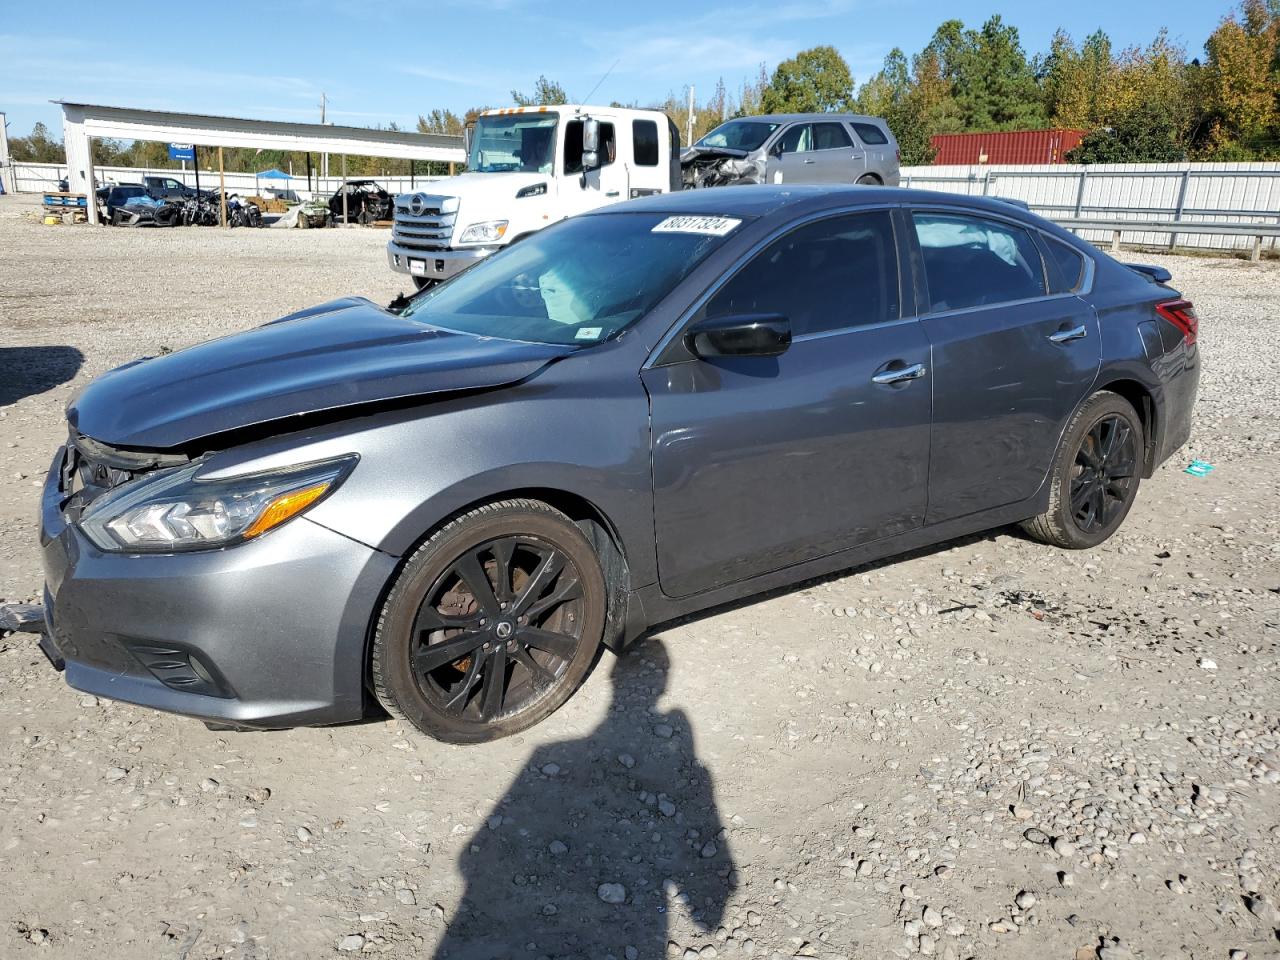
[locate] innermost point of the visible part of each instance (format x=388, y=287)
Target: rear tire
x=1096, y=473
x=869, y=180
x=491, y=625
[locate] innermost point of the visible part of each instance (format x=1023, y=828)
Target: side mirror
x=467, y=131
x=743, y=335
x=590, y=144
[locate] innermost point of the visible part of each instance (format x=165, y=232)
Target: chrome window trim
x=677, y=328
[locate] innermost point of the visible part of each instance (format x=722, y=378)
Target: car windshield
x=739, y=134
x=521, y=141
x=578, y=282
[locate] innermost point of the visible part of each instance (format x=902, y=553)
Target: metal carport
x=82, y=121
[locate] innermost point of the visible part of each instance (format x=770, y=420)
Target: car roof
x=763, y=200
x=789, y=117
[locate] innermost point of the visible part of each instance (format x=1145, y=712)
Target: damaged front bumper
x=270, y=633
x=718, y=167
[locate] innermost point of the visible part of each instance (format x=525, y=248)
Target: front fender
x=421, y=465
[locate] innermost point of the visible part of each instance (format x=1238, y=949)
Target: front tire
x=492, y=624
x=1096, y=474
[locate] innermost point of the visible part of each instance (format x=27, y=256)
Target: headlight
x=174, y=511
x=490, y=231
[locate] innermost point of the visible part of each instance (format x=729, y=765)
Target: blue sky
x=392, y=61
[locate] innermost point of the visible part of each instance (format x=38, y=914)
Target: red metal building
x=1020, y=146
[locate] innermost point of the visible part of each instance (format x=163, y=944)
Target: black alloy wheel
x=498, y=628
x=1105, y=468
x=1095, y=474
x=492, y=624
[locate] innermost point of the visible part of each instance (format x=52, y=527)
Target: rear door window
x=870, y=134
x=1065, y=266
x=970, y=261
x=832, y=274
x=830, y=136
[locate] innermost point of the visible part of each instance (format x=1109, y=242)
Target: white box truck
x=529, y=167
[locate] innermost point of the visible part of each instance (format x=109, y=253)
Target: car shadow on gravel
x=599, y=839
x=26, y=371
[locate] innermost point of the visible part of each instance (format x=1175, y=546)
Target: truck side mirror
x=466, y=137
x=590, y=144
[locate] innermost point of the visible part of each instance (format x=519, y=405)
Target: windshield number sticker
x=707, y=226
x=588, y=333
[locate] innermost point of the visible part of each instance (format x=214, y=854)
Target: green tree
x=38, y=147
x=441, y=121
x=545, y=93
x=1147, y=133
x=751, y=93
x=894, y=94
x=813, y=81
x=993, y=82
x=1240, y=84
x=1076, y=81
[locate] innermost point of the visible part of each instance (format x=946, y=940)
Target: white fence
x=1220, y=192
x=39, y=177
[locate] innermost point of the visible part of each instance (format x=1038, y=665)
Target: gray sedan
x=449, y=506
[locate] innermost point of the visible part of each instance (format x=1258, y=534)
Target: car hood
x=341, y=354
x=706, y=153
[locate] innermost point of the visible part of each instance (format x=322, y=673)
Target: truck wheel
x=869, y=180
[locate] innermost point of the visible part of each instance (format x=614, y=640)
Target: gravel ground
x=987, y=749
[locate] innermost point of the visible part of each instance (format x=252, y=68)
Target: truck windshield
x=523, y=141
x=578, y=282
x=739, y=134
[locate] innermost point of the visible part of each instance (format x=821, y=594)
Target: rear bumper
x=1178, y=408
x=270, y=633
x=435, y=264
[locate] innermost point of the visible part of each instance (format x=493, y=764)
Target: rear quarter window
x=870, y=134
x=1065, y=266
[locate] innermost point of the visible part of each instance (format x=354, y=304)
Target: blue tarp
x=273, y=174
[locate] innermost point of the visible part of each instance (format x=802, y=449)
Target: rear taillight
x=1183, y=316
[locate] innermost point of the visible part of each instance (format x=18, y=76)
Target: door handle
x=810, y=161
x=856, y=156
x=1073, y=333
x=899, y=374
x=613, y=193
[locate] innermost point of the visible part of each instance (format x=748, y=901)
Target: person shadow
x=603, y=846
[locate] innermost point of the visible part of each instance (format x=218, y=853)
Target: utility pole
x=689, y=132
x=6, y=177
x=324, y=159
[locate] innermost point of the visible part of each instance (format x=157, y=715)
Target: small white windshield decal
x=708, y=226
x=588, y=333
